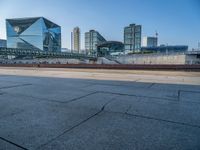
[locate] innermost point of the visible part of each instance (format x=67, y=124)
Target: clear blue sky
x=177, y=21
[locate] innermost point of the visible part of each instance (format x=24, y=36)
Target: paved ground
x=58, y=109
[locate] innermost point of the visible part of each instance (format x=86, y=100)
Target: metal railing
x=43, y=54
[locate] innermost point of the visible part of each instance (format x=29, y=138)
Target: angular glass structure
x=33, y=33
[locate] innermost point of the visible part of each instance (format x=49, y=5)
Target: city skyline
x=177, y=22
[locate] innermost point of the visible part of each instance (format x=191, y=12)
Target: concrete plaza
x=76, y=109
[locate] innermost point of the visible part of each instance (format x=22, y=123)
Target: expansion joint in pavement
x=10, y=142
x=79, y=124
x=78, y=98
x=140, y=96
x=14, y=86
x=151, y=85
x=158, y=119
x=184, y=91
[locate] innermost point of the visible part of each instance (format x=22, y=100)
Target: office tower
x=132, y=37
x=76, y=40
x=33, y=33
x=92, y=39
x=149, y=41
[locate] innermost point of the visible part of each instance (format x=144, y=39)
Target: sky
x=176, y=21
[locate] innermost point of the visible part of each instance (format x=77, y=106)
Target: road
x=73, y=109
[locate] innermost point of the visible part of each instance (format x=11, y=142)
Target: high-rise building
x=149, y=41
x=33, y=33
x=92, y=39
x=3, y=43
x=132, y=37
x=76, y=40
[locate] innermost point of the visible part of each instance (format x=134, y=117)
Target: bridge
x=43, y=54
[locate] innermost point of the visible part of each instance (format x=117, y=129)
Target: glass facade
x=3, y=43
x=33, y=33
x=132, y=37
x=110, y=48
x=150, y=42
x=166, y=49
x=92, y=39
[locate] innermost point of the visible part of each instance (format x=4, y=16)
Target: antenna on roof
x=156, y=34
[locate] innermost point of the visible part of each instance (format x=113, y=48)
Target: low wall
x=114, y=66
x=153, y=59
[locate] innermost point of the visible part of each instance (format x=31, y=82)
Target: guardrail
x=43, y=54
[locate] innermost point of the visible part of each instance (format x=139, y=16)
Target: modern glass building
x=110, y=48
x=3, y=43
x=92, y=39
x=149, y=41
x=132, y=37
x=33, y=33
x=167, y=49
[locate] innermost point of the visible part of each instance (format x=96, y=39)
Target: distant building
x=33, y=33
x=110, y=48
x=76, y=40
x=149, y=41
x=3, y=43
x=166, y=49
x=65, y=50
x=92, y=39
x=132, y=37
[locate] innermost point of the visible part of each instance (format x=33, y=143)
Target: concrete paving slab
x=95, y=101
x=169, y=111
x=48, y=93
x=190, y=96
x=19, y=79
x=111, y=131
x=63, y=83
x=40, y=123
x=8, y=84
x=11, y=105
x=176, y=87
x=145, y=92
